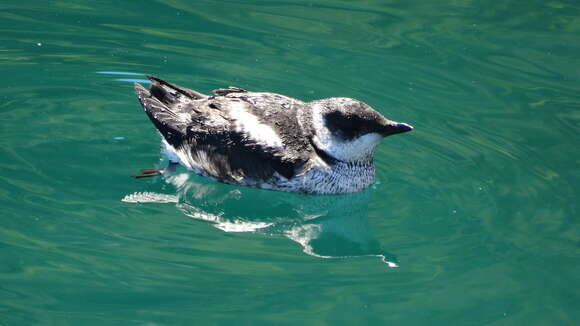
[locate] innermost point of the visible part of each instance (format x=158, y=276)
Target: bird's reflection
x=325, y=226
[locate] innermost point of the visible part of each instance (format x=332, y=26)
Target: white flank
x=175, y=156
x=253, y=128
x=169, y=151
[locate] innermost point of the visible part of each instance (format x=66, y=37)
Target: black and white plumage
x=268, y=140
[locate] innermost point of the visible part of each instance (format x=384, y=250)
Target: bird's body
x=268, y=140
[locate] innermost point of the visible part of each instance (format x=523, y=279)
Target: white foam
x=241, y=226
x=149, y=197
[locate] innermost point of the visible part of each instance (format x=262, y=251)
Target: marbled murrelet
x=267, y=140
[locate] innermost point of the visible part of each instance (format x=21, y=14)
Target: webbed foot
x=149, y=173
x=155, y=172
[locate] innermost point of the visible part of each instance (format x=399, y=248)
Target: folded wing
x=229, y=138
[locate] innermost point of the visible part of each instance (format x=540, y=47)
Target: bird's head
x=349, y=130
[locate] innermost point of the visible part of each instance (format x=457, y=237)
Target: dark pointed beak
x=393, y=128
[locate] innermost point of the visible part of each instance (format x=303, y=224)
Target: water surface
x=473, y=219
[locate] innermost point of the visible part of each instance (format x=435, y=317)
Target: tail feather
x=170, y=124
x=166, y=87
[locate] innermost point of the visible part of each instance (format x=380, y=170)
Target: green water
x=477, y=207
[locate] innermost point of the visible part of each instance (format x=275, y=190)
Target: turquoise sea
x=473, y=220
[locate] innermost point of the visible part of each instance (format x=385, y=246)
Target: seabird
x=267, y=140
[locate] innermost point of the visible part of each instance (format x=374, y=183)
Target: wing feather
x=242, y=137
x=232, y=156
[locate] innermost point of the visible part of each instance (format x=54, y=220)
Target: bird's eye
x=342, y=126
